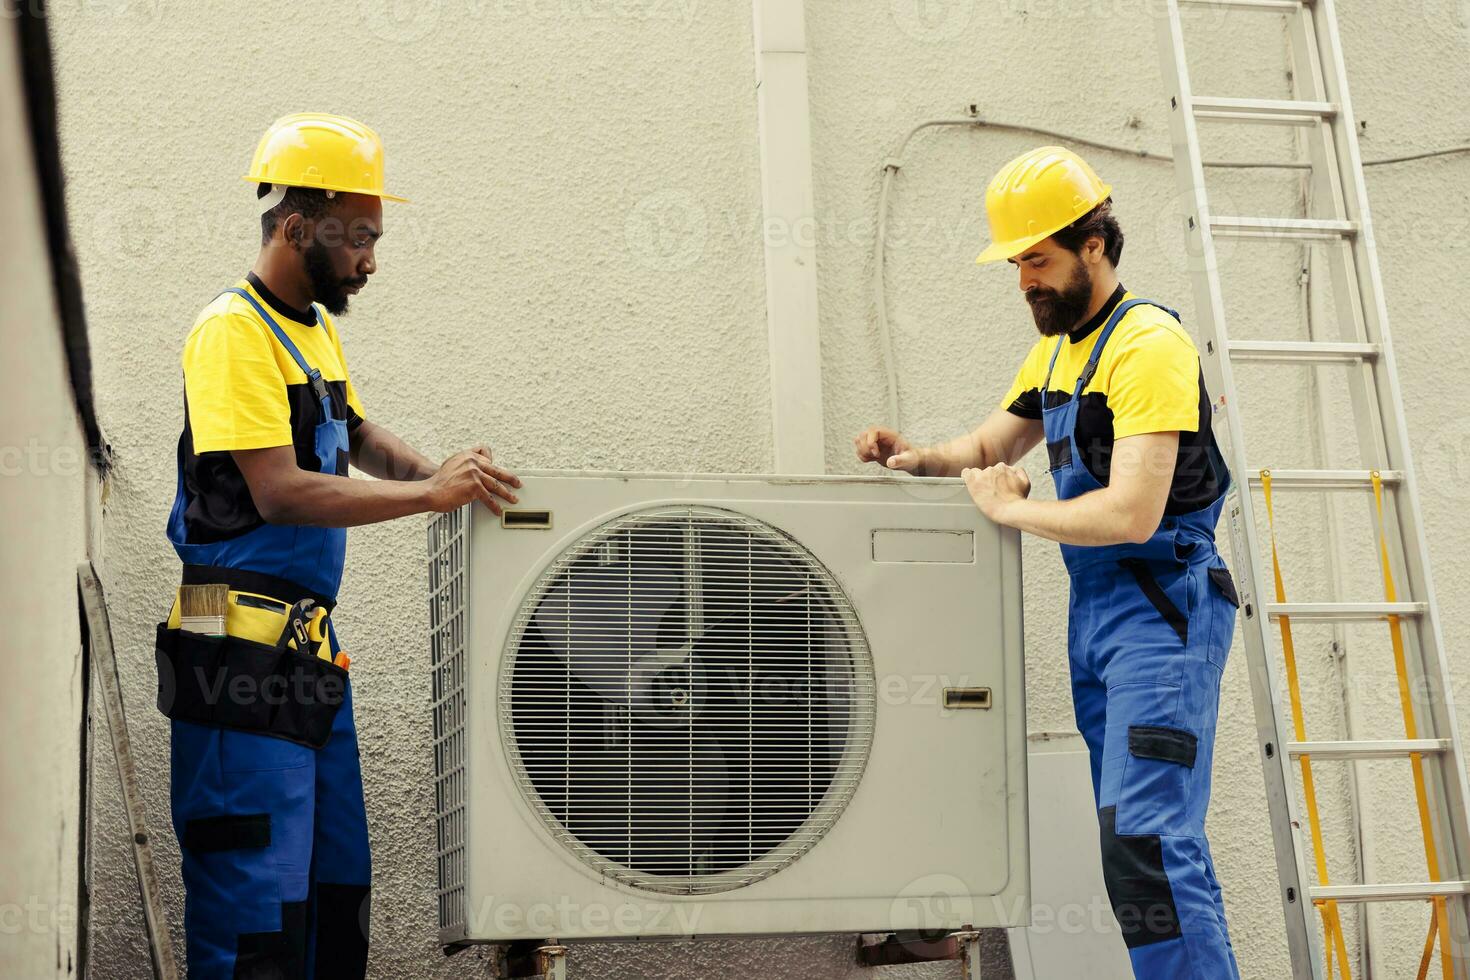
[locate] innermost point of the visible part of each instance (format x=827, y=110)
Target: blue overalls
x=1149, y=629
x=272, y=833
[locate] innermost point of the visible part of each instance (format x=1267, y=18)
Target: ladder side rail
x=104, y=663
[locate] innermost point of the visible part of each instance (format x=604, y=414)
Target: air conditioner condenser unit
x=669, y=706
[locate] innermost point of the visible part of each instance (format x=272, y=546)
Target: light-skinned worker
x=266, y=786
x=1115, y=389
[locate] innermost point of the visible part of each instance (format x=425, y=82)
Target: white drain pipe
x=790, y=234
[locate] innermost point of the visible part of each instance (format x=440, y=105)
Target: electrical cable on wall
x=892, y=165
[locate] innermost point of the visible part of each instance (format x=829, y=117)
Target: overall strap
x=313, y=376
x=1050, y=365
x=1119, y=312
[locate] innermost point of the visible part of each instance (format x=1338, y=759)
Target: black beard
x=326, y=288
x=1057, y=313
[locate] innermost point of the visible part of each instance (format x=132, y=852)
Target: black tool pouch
x=248, y=686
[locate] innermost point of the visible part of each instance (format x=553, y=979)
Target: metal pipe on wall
x=789, y=233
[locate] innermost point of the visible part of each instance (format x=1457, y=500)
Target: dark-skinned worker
x=266, y=786
x=1114, y=387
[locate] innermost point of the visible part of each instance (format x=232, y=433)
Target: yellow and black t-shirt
x=1148, y=379
x=243, y=390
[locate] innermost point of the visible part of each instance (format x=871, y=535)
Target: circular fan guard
x=687, y=699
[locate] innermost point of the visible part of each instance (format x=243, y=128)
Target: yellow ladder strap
x=1428, y=953
x=1331, y=920
x=1411, y=730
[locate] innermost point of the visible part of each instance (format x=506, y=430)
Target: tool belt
x=243, y=680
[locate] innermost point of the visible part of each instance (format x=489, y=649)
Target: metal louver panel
x=448, y=589
x=686, y=699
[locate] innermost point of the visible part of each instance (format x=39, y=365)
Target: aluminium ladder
x=104, y=662
x=1321, y=111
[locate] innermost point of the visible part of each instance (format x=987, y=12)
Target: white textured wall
x=44, y=503
x=579, y=281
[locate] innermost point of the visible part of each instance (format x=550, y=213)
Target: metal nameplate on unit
x=927, y=545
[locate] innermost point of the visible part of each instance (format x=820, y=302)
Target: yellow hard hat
x=314, y=149
x=1035, y=196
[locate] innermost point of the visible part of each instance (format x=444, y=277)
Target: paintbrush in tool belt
x=202, y=608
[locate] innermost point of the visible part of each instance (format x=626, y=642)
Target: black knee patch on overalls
x=342, y=913
x=1138, y=887
x=274, y=955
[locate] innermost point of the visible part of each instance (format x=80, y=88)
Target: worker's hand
x=888, y=448
x=471, y=475
x=996, y=486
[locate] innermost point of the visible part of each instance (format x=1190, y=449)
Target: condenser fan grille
x=687, y=699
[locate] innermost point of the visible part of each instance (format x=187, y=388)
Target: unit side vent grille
x=448, y=591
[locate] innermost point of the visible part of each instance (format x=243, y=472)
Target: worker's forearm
x=966, y=451
x=378, y=452
x=948, y=458
x=1096, y=518
x=326, y=500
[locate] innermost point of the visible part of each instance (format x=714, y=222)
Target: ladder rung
x=1332, y=612
x=1325, y=479
x=1314, y=351
x=1277, y=6
x=1286, y=112
x=1419, y=891
x=1386, y=748
x=1291, y=229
